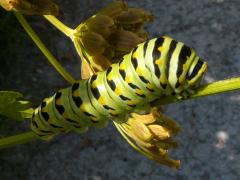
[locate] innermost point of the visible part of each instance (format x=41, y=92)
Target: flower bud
x=146, y=118
x=93, y=43
x=113, y=9
x=101, y=61
x=29, y=7
x=140, y=130
x=133, y=16
x=161, y=156
x=159, y=131
x=170, y=123
x=167, y=144
x=124, y=40
x=149, y=135
x=111, y=33
x=101, y=24
x=166, y=160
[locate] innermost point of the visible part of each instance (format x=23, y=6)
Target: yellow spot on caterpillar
x=127, y=79
x=113, y=112
x=185, y=67
x=118, y=91
x=139, y=71
x=94, y=118
x=161, y=49
x=158, y=62
x=149, y=86
x=122, y=66
x=82, y=108
x=76, y=93
x=44, y=110
x=130, y=102
x=110, y=77
x=135, y=55
x=65, y=115
x=45, y=99
x=101, y=100
x=59, y=102
x=139, y=91
x=94, y=84
x=163, y=80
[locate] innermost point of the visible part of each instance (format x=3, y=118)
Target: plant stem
x=71, y=33
x=17, y=139
x=62, y=27
x=43, y=48
x=206, y=90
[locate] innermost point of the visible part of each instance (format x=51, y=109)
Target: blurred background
x=210, y=138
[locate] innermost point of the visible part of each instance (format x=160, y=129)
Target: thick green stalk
x=17, y=139
x=59, y=25
x=206, y=90
x=71, y=33
x=43, y=48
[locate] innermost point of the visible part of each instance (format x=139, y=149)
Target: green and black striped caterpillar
x=155, y=68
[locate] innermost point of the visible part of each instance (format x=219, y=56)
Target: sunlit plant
x=100, y=41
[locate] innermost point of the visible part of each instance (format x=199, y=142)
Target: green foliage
x=12, y=107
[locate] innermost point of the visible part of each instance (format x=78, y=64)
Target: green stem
x=71, y=33
x=62, y=27
x=17, y=139
x=43, y=48
x=78, y=47
x=206, y=90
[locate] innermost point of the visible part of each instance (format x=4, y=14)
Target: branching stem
x=43, y=48
x=60, y=26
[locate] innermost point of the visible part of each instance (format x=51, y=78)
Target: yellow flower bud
x=163, y=152
x=159, y=131
x=140, y=142
x=146, y=119
x=140, y=130
x=149, y=135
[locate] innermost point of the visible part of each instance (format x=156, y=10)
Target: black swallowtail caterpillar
x=155, y=68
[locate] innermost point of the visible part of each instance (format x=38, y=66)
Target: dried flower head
x=111, y=33
x=151, y=134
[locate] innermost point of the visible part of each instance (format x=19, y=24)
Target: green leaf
x=12, y=107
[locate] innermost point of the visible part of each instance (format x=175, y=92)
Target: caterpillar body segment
x=155, y=68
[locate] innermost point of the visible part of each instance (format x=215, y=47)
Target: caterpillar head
x=194, y=75
x=196, y=71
